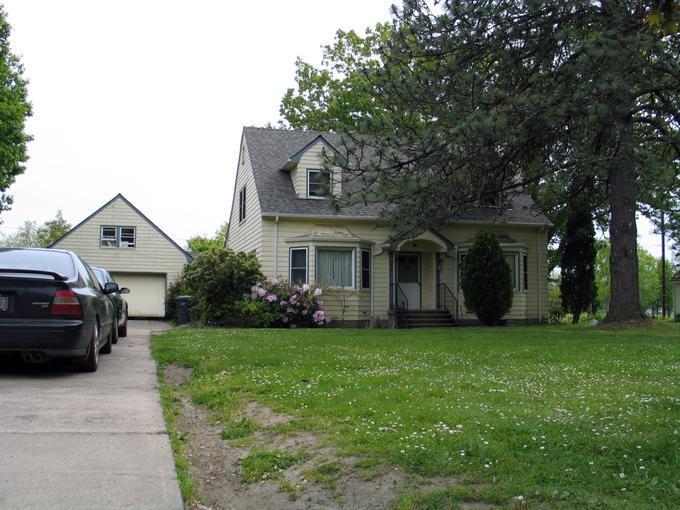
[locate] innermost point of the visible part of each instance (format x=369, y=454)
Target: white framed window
x=298, y=265
x=513, y=260
x=127, y=237
x=242, y=204
x=365, y=269
x=461, y=257
x=335, y=267
x=117, y=237
x=318, y=183
x=108, y=237
x=525, y=271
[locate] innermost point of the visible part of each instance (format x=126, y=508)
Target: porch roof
x=331, y=233
x=431, y=235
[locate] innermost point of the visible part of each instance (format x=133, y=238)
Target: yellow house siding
x=245, y=235
x=357, y=302
x=153, y=253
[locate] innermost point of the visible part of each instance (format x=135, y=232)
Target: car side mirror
x=124, y=290
x=110, y=287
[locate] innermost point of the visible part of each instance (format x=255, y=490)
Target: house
x=675, y=283
x=372, y=273
x=137, y=253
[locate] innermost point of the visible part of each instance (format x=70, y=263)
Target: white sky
x=148, y=98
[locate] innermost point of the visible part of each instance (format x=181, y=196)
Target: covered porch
x=422, y=279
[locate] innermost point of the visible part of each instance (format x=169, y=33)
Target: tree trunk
x=623, y=260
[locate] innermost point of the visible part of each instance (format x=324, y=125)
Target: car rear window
x=40, y=260
x=100, y=274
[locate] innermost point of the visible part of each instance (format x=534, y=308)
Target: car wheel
x=122, y=330
x=108, y=346
x=114, y=332
x=91, y=361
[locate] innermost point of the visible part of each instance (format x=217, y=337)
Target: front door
x=408, y=278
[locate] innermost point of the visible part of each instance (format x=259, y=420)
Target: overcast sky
x=148, y=98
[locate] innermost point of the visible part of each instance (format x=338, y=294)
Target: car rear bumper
x=55, y=338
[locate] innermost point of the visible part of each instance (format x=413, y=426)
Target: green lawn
x=563, y=416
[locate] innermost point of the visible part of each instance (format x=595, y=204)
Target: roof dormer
x=315, y=170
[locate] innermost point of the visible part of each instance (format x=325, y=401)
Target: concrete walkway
x=74, y=441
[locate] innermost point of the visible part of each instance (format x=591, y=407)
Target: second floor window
x=318, y=183
x=118, y=237
x=242, y=204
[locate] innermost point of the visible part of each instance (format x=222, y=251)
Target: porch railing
x=400, y=299
x=448, y=301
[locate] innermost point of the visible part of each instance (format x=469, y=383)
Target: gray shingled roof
x=270, y=150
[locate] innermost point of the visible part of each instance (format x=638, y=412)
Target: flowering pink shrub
x=294, y=306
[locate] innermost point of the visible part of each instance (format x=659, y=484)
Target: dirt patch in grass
x=176, y=375
x=265, y=416
x=313, y=476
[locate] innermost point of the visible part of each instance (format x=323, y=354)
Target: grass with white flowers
x=563, y=417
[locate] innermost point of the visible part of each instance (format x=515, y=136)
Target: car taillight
x=66, y=303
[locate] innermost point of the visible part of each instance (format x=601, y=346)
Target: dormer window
x=318, y=183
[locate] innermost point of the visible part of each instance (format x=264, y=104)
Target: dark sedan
x=52, y=306
x=120, y=306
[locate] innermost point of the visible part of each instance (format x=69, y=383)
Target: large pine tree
x=475, y=96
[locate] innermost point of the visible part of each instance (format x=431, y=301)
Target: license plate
x=4, y=303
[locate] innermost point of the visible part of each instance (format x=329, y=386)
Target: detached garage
x=138, y=254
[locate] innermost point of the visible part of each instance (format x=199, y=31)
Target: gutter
x=379, y=218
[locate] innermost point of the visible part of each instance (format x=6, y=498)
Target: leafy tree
x=486, y=279
x=577, y=284
x=336, y=96
x=497, y=96
x=26, y=236
x=30, y=234
x=14, y=109
x=198, y=244
x=52, y=230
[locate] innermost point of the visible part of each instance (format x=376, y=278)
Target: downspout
x=539, y=285
x=276, y=247
x=370, y=283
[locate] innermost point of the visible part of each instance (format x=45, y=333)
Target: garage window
x=109, y=237
x=127, y=237
x=118, y=237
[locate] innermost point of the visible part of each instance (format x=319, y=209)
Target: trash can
x=183, y=304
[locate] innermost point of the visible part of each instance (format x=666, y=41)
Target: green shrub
x=219, y=280
x=254, y=314
x=486, y=279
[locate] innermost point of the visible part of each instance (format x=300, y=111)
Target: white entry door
x=408, y=278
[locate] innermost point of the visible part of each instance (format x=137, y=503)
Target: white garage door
x=147, y=293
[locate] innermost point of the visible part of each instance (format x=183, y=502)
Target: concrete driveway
x=71, y=440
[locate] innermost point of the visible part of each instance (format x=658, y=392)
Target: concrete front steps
x=425, y=319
